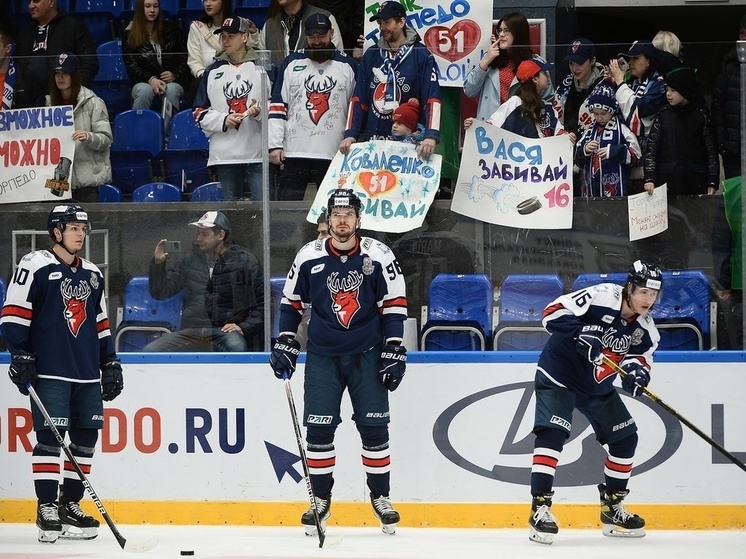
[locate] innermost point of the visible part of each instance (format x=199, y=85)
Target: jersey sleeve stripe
x=17, y=312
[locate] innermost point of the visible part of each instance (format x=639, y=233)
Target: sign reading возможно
x=36, y=154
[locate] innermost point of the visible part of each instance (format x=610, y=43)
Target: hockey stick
x=137, y=547
x=622, y=373
x=304, y=462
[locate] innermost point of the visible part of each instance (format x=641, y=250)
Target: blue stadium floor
x=19, y=541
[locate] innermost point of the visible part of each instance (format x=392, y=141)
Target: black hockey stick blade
x=622, y=373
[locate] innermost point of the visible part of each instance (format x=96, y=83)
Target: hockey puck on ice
x=529, y=206
x=187, y=552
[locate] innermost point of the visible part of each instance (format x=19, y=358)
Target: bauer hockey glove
x=112, y=381
x=636, y=379
x=393, y=365
x=284, y=356
x=589, y=343
x=22, y=371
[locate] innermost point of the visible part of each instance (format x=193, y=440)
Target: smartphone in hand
x=172, y=246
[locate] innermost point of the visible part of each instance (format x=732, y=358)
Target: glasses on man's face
x=503, y=31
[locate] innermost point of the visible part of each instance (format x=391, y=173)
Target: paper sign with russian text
x=648, y=215
x=457, y=32
x=395, y=186
x=36, y=154
x=506, y=179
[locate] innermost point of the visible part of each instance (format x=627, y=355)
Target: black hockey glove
x=22, y=371
x=636, y=379
x=112, y=381
x=393, y=365
x=284, y=356
x=589, y=343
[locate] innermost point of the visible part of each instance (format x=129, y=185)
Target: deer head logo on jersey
x=75, y=302
x=345, y=295
x=318, y=91
x=237, y=95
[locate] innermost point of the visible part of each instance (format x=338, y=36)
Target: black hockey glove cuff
x=112, y=381
x=22, y=371
x=636, y=379
x=393, y=365
x=284, y=356
x=589, y=343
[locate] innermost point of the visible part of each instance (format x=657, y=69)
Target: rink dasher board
x=199, y=429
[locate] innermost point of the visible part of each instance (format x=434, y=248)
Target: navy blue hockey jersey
x=58, y=313
x=624, y=340
x=358, y=297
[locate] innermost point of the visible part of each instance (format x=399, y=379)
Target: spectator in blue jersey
x=223, y=291
x=308, y=110
x=398, y=68
x=357, y=291
x=589, y=329
x=56, y=328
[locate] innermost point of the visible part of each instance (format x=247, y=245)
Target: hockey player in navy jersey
x=610, y=321
x=357, y=290
x=55, y=325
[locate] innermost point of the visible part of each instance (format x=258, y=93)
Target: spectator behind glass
x=526, y=113
x=680, y=151
x=284, y=32
x=53, y=31
x=224, y=291
x=92, y=135
x=203, y=43
x=726, y=109
x=310, y=98
x=228, y=112
x=7, y=66
x=640, y=98
x=494, y=80
x=155, y=55
x=350, y=16
x=608, y=149
x=670, y=52
x=399, y=67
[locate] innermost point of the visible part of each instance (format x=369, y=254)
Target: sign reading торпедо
x=510, y=180
x=36, y=154
x=395, y=186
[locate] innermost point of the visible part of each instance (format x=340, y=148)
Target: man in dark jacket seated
x=224, y=292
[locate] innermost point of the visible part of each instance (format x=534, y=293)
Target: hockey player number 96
x=393, y=269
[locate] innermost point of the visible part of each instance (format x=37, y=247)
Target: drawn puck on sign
x=528, y=206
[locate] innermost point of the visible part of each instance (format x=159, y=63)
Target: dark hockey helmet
x=343, y=198
x=645, y=275
x=64, y=214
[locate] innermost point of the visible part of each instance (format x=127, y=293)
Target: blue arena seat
x=208, y=192
x=145, y=318
x=112, y=83
x=109, y=193
x=683, y=312
x=157, y=192
x=589, y=280
x=255, y=10
x=459, y=313
x=186, y=153
x=523, y=298
x=138, y=139
x=101, y=17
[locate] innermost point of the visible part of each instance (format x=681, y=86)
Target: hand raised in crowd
x=649, y=187
x=492, y=53
x=615, y=71
x=160, y=255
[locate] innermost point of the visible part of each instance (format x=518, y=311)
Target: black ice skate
x=543, y=525
x=324, y=508
x=615, y=519
x=385, y=513
x=48, y=522
x=76, y=525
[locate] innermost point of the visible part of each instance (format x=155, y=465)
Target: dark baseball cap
x=580, y=50
x=212, y=219
x=235, y=24
x=389, y=9
x=640, y=48
x=318, y=23
x=67, y=63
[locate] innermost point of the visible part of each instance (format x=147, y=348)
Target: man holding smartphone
x=224, y=293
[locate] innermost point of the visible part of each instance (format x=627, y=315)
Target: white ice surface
x=18, y=541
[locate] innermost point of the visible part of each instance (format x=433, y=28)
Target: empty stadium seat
x=101, y=18
x=589, y=280
x=109, y=193
x=145, y=318
x=186, y=155
x=209, y=192
x=683, y=312
x=157, y=192
x=459, y=313
x=112, y=83
x=523, y=298
x=255, y=10
x=138, y=140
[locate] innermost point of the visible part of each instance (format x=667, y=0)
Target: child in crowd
x=681, y=149
x=405, y=123
x=526, y=113
x=608, y=150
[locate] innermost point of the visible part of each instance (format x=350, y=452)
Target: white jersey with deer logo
x=309, y=105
